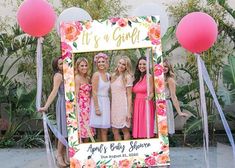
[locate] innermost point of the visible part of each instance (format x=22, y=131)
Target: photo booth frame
x=115, y=34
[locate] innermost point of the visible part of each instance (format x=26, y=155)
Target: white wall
x=8, y=7
x=135, y=3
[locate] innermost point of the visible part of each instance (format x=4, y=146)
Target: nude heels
x=60, y=161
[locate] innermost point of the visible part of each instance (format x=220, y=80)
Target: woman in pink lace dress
x=140, y=120
x=121, y=87
x=83, y=92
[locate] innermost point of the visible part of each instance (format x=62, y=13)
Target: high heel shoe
x=60, y=161
x=66, y=160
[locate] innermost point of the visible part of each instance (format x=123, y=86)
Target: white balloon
x=151, y=9
x=70, y=15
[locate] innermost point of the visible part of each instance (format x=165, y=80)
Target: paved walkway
x=220, y=157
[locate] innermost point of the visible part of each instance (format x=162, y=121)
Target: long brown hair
x=55, y=65
x=139, y=74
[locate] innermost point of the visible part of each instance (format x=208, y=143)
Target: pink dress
x=84, y=106
x=119, y=107
x=139, y=129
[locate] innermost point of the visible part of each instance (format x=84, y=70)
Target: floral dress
x=84, y=108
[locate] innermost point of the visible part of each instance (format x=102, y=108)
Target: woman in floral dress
x=83, y=92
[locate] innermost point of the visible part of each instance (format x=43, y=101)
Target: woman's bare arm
x=77, y=86
x=95, y=82
x=129, y=101
x=172, y=88
x=151, y=88
x=57, y=80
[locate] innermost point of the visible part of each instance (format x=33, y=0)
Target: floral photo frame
x=115, y=34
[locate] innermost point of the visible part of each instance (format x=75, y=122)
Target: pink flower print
x=90, y=163
x=159, y=83
x=66, y=50
x=70, y=31
x=79, y=26
x=114, y=20
x=165, y=148
x=154, y=34
x=163, y=129
x=162, y=159
x=150, y=161
x=122, y=22
x=84, y=105
x=154, y=153
x=161, y=107
x=124, y=163
x=158, y=69
x=71, y=152
x=74, y=163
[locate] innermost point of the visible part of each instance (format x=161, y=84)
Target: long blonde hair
x=128, y=70
x=170, y=73
x=79, y=60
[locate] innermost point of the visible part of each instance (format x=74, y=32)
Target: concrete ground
x=181, y=157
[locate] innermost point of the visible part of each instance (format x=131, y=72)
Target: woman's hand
x=148, y=98
x=128, y=117
x=183, y=114
x=42, y=109
x=98, y=113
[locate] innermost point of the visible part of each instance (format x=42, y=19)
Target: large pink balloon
x=36, y=17
x=197, y=32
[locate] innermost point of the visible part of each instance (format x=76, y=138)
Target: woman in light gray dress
x=58, y=89
x=61, y=111
x=170, y=89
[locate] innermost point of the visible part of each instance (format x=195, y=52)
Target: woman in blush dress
x=100, y=102
x=83, y=92
x=170, y=89
x=121, y=92
x=140, y=120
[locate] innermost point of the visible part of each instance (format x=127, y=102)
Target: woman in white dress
x=100, y=102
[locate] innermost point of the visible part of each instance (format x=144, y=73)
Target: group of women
x=105, y=100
